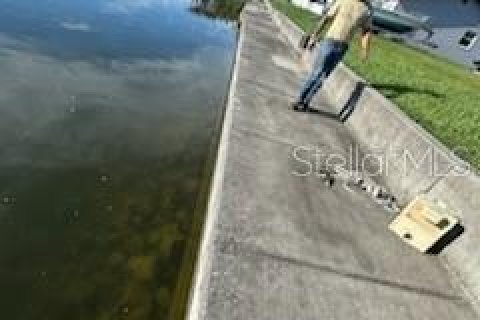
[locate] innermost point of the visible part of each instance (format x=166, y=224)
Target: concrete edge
x=412, y=160
x=402, y=116
x=199, y=291
x=462, y=258
x=378, y=123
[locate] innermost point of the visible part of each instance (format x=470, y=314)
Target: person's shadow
x=392, y=91
x=352, y=102
x=347, y=108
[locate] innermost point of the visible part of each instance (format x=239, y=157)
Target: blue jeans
x=330, y=53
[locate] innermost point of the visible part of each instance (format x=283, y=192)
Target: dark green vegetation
x=223, y=9
x=441, y=96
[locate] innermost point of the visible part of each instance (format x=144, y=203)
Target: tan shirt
x=348, y=16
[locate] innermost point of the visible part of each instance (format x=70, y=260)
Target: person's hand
x=365, y=45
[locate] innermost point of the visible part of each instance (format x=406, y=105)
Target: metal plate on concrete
x=423, y=223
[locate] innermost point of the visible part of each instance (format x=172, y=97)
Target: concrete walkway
x=280, y=246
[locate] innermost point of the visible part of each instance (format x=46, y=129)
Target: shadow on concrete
x=393, y=90
x=347, y=109
x=323, y=113
x=390, y=91
x=352, y=102
x=446, y=240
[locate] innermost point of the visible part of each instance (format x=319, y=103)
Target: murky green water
x=107, y=110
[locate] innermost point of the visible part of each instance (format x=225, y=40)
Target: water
x=107, y=112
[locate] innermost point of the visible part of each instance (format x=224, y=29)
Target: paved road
x=288, y=247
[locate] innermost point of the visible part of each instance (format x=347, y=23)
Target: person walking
x=345, y=18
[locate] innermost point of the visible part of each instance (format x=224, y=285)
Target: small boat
x=400, y=22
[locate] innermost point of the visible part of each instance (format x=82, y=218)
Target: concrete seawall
x=200, y=284
x=279, y=244
x=414, y=162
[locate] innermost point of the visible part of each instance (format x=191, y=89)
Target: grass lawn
x=441, y=96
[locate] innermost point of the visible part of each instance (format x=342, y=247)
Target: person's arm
x=317, y=32
x=365, y=42
x=367, y=33
x=324, y=20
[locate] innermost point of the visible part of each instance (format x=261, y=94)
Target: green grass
x=441, y=96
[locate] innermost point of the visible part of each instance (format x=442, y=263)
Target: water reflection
x=109, y=29
x=106, y=111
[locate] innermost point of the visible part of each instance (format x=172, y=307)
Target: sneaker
x=299, y=106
